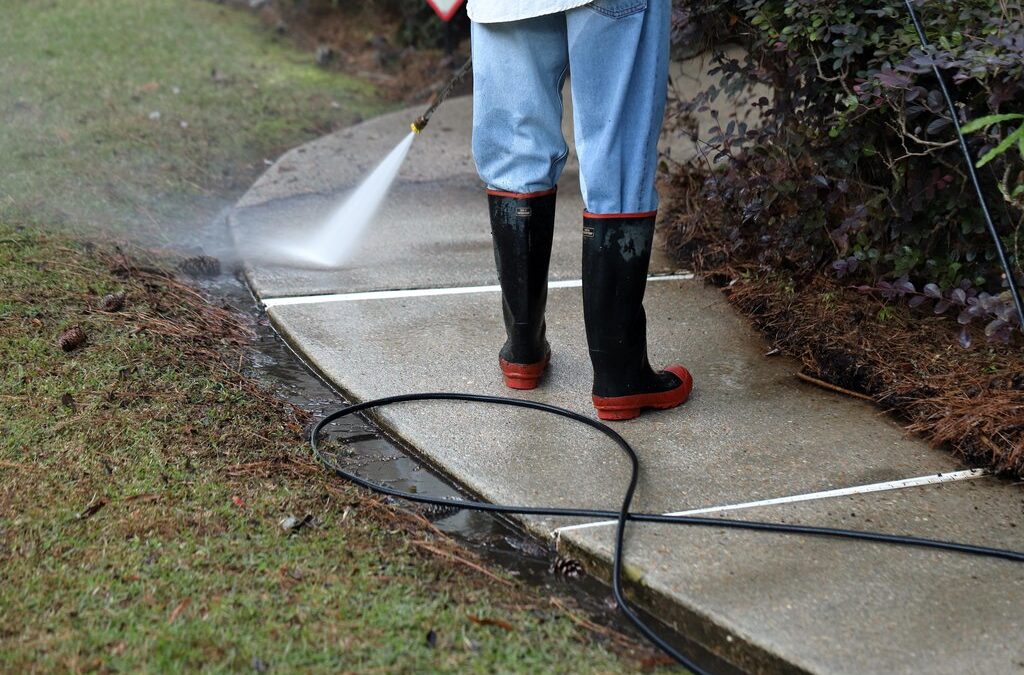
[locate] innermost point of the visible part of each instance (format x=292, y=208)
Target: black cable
x=1011, y=279
x=623, y=515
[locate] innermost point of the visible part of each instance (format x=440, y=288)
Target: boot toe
x=679, y=385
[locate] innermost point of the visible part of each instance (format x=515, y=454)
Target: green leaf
x=1002, y=147
x=989, y=120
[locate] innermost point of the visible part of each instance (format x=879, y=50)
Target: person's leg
x=519, y=68
x=619, y=60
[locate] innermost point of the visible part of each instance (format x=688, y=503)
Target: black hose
x=1011, y=279
x=623, y=515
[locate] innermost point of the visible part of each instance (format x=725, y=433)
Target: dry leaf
x=486, y=621
x=179, y=609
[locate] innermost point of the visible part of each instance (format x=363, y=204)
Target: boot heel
x=617, y=414
x=520, y=383
x=523, y=376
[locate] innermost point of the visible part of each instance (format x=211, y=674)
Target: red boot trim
x=523, y=375
x=521, y=195
x=628, y=407
x=623, y=216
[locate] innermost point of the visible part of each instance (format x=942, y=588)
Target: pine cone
x=437, y=511
x=72, y=338
x=567, y=567
x=200, y=266
x=113, y=302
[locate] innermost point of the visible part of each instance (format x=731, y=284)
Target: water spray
x=333, y=241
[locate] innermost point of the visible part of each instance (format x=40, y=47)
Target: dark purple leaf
x=994, y=327
x=964, y=338
x=958, y=296
x=941, y=306
x=933, y=291
x=1002, y=335
x=904, y=286
x=937, y=125
x=917, y=301
x=894, y=80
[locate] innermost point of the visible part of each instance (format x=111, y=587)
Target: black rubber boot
x=616, y=255
x=522, y=227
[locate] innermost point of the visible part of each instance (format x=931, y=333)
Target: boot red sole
x=523, y=376
x=618, y=408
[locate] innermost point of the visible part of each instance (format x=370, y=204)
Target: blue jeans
x=617, y=53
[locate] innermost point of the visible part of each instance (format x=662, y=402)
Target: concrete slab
x=428, y=234
x=750, y=432
x=776, y=602
x=432, y=231
x=767, y=603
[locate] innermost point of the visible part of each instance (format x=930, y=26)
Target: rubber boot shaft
x=616, y=256
x=522, y=227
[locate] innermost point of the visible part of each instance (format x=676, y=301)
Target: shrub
x=854, y=169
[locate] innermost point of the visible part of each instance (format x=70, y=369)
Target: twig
x=615, y=636
x=831, y=387
x=468, y=563
x=16, y=465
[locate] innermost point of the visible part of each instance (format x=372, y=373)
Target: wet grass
x=144, y=117
x=142, y=483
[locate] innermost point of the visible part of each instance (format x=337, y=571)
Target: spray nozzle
x=421, y=122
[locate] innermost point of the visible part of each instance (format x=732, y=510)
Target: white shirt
x=493, y=11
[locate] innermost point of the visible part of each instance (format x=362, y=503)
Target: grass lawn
x=142, y=477
x=142, y=482
x=144, y=117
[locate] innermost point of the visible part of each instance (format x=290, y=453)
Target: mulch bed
x=908, y=361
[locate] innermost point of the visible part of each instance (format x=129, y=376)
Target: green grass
x=197, y=467
x=79, y=80
x=185, y=566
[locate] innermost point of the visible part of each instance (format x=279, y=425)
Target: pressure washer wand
x=421, y=122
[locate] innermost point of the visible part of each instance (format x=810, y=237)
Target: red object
x=445, y=8
x=628, y=407
x=645, y=214
x=239, y=502
x=522, y=195
x=523, y=375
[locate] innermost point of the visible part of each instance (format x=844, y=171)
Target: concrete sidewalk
x=417, y=311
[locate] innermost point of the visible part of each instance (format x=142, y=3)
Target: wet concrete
x=360, y=446
x=751, y=431
x=414, y=243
